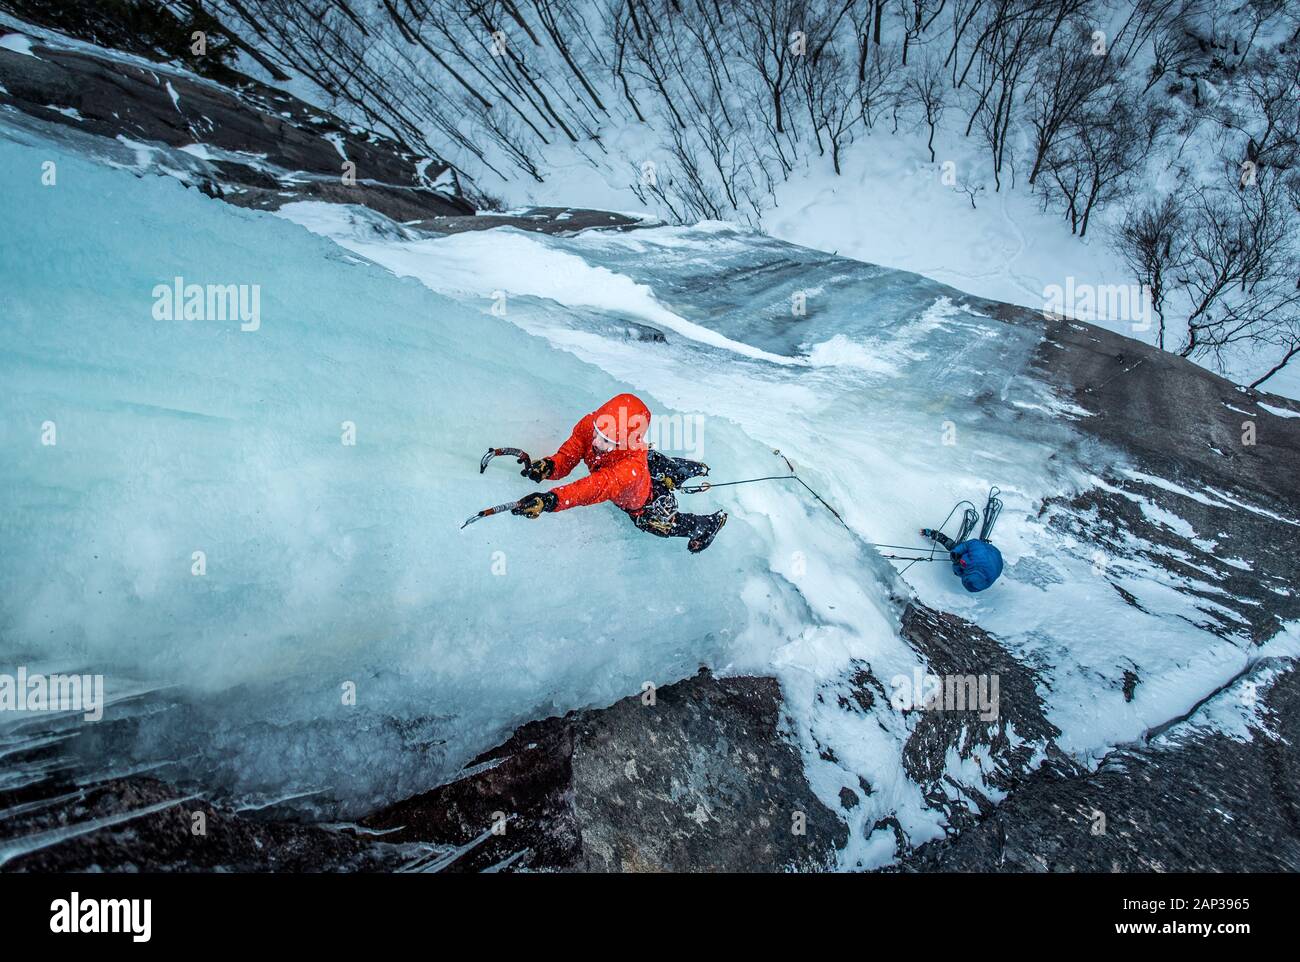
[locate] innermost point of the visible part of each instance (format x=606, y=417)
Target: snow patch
x=1280, y=412
x=18, y=43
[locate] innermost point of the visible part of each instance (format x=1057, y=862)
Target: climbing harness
x=660, y=513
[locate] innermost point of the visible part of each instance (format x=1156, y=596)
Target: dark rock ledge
x=252, y=145
x=264, y=148
x=700, y=781
x=1209, y=803
x=705, y=780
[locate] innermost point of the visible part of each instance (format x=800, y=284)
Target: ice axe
x=488, y=512
x=520, y=456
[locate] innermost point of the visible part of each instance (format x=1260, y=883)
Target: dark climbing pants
x=659, y=516
x=943, y=539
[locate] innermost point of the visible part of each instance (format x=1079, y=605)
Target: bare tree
x=1093, y=161
x=1241, y=268
x=1150, y=21
x=778, y=38
x=916, y=17
x=772, y=29
x=649, y=61
x=1014, y=32
x=964, y=13
x=1151, y=240
x=972, y=189
x=1173, y=50
x=1272, y=127
x=868, y=18
x=831, y=92
x=1287, y=337
x=925, y=89
x=880, y=86
x=1065, y=80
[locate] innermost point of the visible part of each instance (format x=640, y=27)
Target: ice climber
x=611, y=440
x=974, y=560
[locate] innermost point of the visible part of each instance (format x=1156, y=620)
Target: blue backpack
x=977, y=563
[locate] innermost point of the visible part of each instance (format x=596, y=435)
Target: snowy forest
x=1178, y=118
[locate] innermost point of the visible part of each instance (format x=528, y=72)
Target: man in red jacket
x=611, y=441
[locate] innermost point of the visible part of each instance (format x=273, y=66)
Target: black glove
x=532, y=505
x=538, y=471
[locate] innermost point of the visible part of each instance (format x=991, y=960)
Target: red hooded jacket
x=621, y=475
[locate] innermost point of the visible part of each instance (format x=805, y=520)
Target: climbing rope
x=934, y=544
x=663, y=508
x=968, y=523
x=705, y=486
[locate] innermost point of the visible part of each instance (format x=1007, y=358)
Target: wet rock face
x=989, y=715
x=702, y=780
x=146, y=28
x=958, y=649
x=1240, y=565
x=542, y=220
x=264, y=148
x=1179, y=420
x=1229, y=467
x=1203, y=802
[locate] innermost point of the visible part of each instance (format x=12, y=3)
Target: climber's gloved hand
x=538, y=471
x=927, y=533
x=531, y=506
